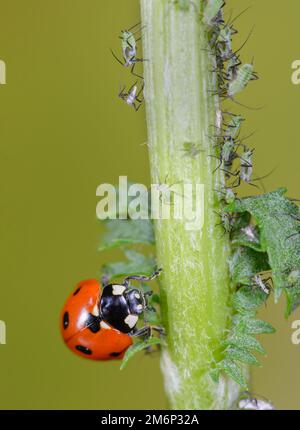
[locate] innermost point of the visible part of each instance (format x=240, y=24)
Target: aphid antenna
x=241, y=47
x=242, y=105
x=267, y=175
x=239, y=15
x=134, y=26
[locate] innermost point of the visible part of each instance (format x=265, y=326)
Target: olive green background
x=63, y=131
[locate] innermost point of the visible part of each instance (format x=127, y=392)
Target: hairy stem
x=195, y=284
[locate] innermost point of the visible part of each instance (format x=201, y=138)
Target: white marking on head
x=118, y=290
x=95, y=310
x=131, y=320
x=104, y=325
x=137, y=296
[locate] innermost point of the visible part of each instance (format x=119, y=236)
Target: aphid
x=129, y=49
x=234, y=126
x=224, y=46
x=132, y=96
x=250, y=233
x=244, y=75
x=250, y=403
x=227, y=221
x=212, y=12
x=228, y=194
x=191, y=149
x=184, y=5
x=262, y=284
x=232, y=67
x=246, y=167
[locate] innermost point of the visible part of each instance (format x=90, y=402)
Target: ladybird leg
x=142, y=278
x=144, y=331
x=105, y=280
x=160, y=330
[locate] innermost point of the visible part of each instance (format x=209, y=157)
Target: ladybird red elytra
x=84, y=331
x=99, y=323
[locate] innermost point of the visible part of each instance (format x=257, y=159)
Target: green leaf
x=243, y=355
x=245, y=263
x=136, y=264
x=248, y=299
x=252, y=326
x=137, y=347
x=215, y=375
x=244, y=341
x=247, y=236
x=127, y=232
x=277, y=219
x=234, y=371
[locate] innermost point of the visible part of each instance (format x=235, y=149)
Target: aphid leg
x=118, y=60
x=132, y=71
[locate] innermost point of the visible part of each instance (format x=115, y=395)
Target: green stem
x=195, y=284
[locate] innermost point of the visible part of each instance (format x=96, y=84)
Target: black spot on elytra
x=84, y=350
x=93, y=323
x=77, y=291
x=66, y=320
x=115, y=354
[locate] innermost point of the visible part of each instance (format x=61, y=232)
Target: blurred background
x=63, y=131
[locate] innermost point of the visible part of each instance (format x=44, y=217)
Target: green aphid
x=234, y=126
x=246, y=167
x=129, y=49
x=244, y=75
x=232, y=67
x=227, y=149
x=224, y=44
x=191, y=149
x=183, y=4
x=211, y=11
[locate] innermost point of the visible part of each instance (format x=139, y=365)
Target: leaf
x=136, y=264
x=215, y=375
x=252, y=326
x=237, y=354
x=247, y=236
x=277, y=219
x=234, y=371
x=126, y=232
x=244, y=341
x=137, y=347
x=245, y=263
x=248, y=299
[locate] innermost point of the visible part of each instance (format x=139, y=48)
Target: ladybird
x=83, y=329
x=99, y=324
x=121, y=305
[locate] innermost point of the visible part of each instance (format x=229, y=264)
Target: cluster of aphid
x=235, y=157
x=232, y=78
x=134, y=95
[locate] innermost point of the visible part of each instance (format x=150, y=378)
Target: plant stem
x=195, y=286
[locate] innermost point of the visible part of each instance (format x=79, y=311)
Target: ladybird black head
x=136, y=301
